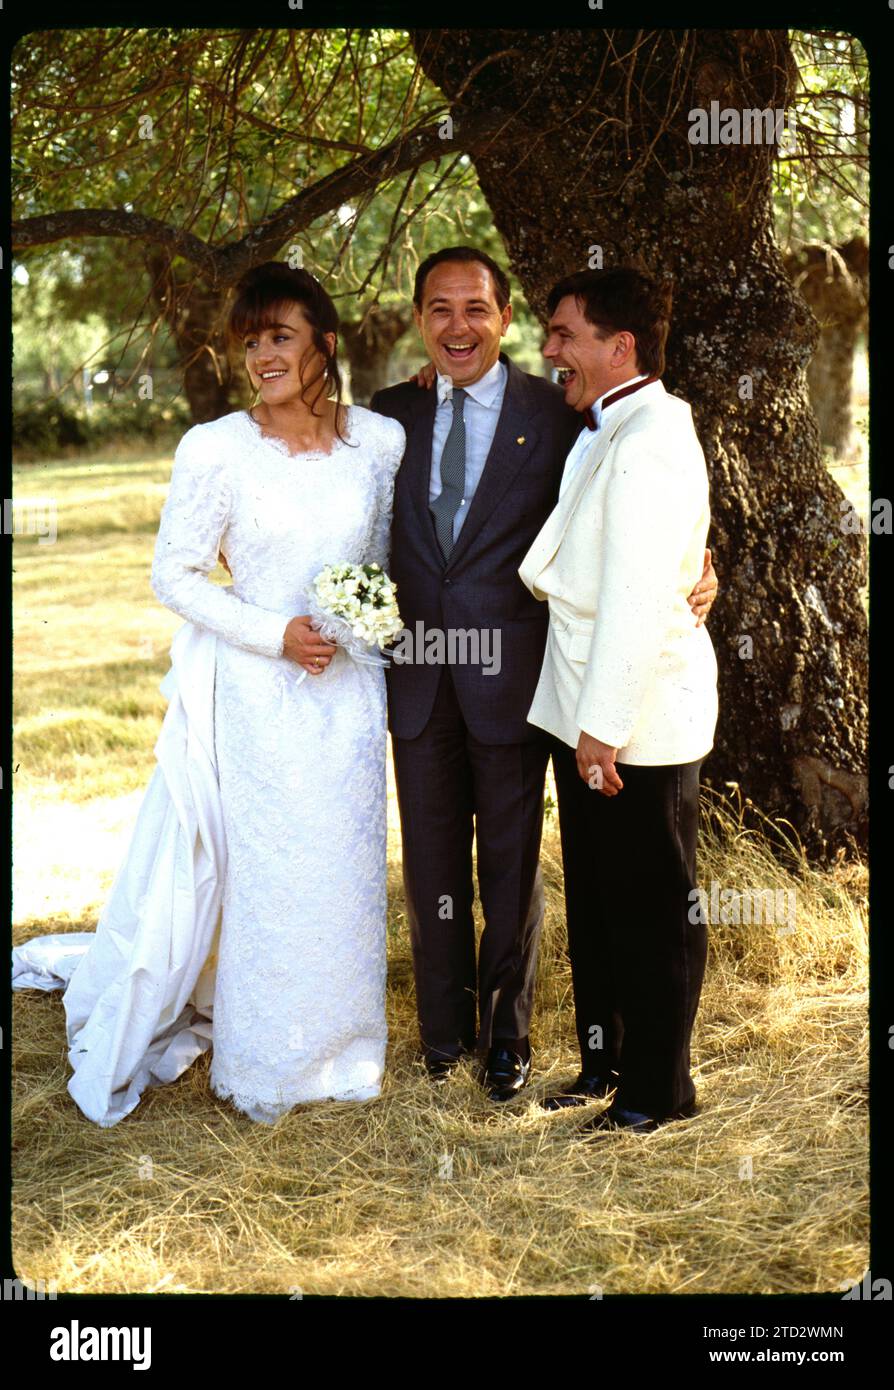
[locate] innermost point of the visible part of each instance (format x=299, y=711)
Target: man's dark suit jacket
x=479, y=586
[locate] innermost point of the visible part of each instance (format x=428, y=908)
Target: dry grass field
x=422, y=1192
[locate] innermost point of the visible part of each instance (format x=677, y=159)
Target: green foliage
x=821, y=192
x=41, y=428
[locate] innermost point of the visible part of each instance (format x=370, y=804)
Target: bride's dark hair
x=260, y=296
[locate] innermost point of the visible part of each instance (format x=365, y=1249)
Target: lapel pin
x=521, y=439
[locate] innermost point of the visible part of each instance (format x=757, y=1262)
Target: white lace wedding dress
x=299, y=989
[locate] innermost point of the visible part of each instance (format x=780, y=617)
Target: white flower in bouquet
x=355, y=605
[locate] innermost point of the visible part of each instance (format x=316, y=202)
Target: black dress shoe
x=584, y=1089
x=439, y=1067
x=617, y=1118
x=506, y=1073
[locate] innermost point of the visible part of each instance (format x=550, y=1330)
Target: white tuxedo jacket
x=616, y=561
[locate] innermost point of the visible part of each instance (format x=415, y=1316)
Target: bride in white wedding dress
x=296, y=970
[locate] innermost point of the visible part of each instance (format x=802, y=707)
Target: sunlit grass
x=91, y=642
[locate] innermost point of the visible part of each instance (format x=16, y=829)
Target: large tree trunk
x=368, y=344
x=195, y=314
x=595, y=153
x=835, y=283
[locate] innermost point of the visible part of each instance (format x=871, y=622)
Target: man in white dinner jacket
x=628, y=692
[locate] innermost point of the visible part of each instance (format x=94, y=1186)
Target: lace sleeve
x=193, y=520
x=392, y=451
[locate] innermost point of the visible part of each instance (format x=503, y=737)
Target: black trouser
x=447, y=784
x=637, y=961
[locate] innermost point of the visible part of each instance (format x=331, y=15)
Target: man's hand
x=425, y=376
x=302, y=643
x=705, y=591
x=596, y=765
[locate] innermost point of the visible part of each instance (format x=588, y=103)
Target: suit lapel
x=555, y=526
x=588, y=466
x=515, y=439
x=553, y=533
x=417, y=462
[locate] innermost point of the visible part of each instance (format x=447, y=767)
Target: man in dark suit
x=484, y=458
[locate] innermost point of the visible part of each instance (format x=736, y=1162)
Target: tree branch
x=221, y=266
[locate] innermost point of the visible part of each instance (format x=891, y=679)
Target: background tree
x=821, y=198
x=834, y=280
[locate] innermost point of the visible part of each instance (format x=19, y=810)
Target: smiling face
x=282, y=359
x=590, y=364
x=460, y=321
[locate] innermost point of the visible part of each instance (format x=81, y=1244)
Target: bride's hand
x=304, y=645
x=425, y=376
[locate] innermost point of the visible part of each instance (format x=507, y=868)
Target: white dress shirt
x=581, y=445
x=481, y=411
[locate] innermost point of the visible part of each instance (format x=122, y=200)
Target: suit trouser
x=447, y=784
x=637, y=961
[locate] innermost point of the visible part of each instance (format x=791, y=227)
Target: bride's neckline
x=282, y=447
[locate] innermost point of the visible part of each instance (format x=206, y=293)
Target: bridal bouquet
x=355, y=606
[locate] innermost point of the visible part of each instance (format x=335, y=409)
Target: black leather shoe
x=634, y=1121
x=584, y=1089
x=505, y=1074
x=439, y=1067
